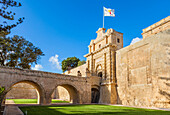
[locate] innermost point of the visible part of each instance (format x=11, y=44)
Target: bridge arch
x=73, y=90
x=36, y=85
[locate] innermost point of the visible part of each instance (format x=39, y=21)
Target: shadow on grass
x=89, y=110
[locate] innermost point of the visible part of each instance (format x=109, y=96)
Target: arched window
x=118, y=40
x=99, y=74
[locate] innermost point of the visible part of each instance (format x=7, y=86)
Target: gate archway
x=95, y=95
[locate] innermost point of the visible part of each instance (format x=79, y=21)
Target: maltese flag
x=109, y=12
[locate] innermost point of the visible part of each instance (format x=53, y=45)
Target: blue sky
x=64, y=28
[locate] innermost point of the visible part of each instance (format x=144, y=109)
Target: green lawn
x=34, y=101
x=90, y=110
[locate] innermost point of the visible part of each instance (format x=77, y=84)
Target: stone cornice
x=107, y=45
x=108, y=33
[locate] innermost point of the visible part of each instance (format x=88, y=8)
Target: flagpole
x=103, y=16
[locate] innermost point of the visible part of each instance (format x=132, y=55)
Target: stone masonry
x=137, y=75
x=79, y=88
x=143, y=70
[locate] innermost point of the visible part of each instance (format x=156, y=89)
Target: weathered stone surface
x=46, y=83
x=137, y=75
x=22, y=91
x=61, y=93
x=143, y=72
x=74, y=71
x=157, y=27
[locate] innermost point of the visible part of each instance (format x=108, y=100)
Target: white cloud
x=54, y=60
x=37, y=67
x=135, y=40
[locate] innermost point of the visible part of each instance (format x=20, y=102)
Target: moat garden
x=63, y=108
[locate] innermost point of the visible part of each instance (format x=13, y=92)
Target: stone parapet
x=45, y=83
x=157, y=27
x=36, y=73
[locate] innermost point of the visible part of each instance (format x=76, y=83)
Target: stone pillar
x=46, y=100
x=104, y=67
x=85, y=96
x=91, y=64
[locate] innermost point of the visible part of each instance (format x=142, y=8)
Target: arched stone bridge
x=79, y=88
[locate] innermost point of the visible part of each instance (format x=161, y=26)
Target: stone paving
x=12, y=110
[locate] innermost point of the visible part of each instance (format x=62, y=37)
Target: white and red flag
x=109, y=12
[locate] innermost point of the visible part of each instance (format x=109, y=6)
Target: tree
x=5, y=28
x=2, y=95
x=81, y=62
x=70, y=63
x=18, y=52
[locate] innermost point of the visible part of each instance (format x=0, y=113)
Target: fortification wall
x=157, y=27
x=143, y=72
x=22, y=91
x=61, y=93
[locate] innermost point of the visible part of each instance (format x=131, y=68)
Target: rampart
x=143, y=72
x=157, y=27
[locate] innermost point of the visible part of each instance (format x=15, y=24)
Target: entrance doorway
x=95, y=95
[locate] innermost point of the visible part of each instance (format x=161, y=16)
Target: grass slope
x=90, y=110
x=34, y=101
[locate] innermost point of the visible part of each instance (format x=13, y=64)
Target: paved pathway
x=11, y=108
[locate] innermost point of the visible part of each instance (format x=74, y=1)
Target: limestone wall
x=157, y=27
x=61, y=93
x=143, y=72
x=74, y=71
x=45, y=82
x=22, y=91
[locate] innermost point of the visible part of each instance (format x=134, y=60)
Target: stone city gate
x=79, y=88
